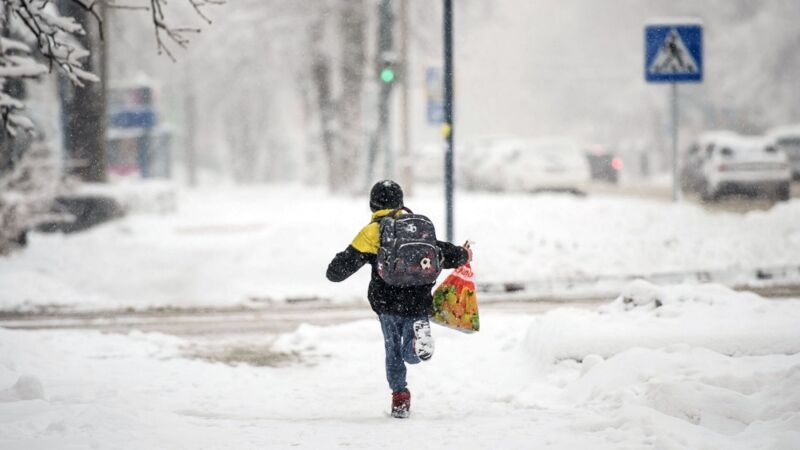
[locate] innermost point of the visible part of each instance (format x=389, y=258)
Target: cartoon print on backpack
x=408, y=254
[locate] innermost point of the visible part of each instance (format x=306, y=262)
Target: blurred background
x=276, y=90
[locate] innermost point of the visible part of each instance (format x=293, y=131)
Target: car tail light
x=616, y=163
x=723, y=168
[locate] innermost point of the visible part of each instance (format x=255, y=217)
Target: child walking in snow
x=402, y=310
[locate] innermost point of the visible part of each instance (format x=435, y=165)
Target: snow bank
x=645, y=315
x=152, y=196
x=27, y=387
x=687, y=397
x=327, y=341
x=222, y=248
x=682, y=366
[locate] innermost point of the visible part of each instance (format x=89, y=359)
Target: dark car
x=604, y=165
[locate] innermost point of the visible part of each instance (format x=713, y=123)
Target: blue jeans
x=398, y=339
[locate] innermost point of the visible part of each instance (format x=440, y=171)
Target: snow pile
x=674, y=367
x=152, y=196
x=544, y=237
x=688, y=397
x=221, y=248
x=311, y=340
x=27, y=387
x=645, y=315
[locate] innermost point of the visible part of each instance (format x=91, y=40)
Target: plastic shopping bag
x=455, y=303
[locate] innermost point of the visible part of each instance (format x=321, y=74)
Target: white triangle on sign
x=673, y=57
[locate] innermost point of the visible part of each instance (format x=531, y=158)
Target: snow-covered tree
x=29, y=25
x=37, y=38
x=26, y=193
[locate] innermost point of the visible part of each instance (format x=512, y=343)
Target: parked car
x=530, y=165
x=692, y=177
x=493, y=167
x=787, y=139
x=551, y=164
x=603, y=165
x=724, y=162
x=478, y=158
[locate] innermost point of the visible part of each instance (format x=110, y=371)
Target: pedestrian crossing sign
x=674, y=52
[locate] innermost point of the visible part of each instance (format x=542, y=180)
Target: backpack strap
x=393, y=213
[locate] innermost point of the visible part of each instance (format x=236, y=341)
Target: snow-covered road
x=274, y=319
x=235, y=321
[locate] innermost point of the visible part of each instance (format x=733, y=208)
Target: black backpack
x=408, y=254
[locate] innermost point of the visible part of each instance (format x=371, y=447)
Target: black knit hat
x=385, y=194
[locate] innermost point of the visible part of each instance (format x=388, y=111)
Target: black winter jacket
x=384, y=298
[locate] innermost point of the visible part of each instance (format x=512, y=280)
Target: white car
x=692, y=175
x=495, y=165
x=483, y=163
x=550, y=164
x=732, y=163
x=479, y=160
x=788, y=140
x=530, y=165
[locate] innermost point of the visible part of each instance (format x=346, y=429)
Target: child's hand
x=468, y=248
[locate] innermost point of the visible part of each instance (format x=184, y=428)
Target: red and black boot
x=401, y=404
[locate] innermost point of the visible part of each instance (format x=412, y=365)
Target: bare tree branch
x=53, y=35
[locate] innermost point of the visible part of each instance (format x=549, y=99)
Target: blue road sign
x=434, y=95
x=434, y=112
x=133, y=118
x=673, y=53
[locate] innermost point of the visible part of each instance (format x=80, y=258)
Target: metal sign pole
x=447, y=127
x=406, y=174
x=675, y=174
x=673, y=53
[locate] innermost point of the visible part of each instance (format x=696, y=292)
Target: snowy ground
x=243, y=246
x=678, y=366
x=709, y=368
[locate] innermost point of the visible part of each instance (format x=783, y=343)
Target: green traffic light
x=387, y=75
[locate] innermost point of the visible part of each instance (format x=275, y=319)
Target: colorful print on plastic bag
x=455, y=303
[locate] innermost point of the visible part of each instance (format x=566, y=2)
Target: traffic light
x=388, y=70
x=387, y=74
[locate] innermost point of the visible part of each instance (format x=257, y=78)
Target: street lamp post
x=447, y=127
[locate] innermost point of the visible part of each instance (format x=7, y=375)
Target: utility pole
x=447, y=127
x=407, y=174
x=190, y=142
x=387, y=62
x=388, y=77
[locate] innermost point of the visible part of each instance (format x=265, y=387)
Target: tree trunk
x=352, y=28
x=11, y=147
x=84, y=108
x=321, y=75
